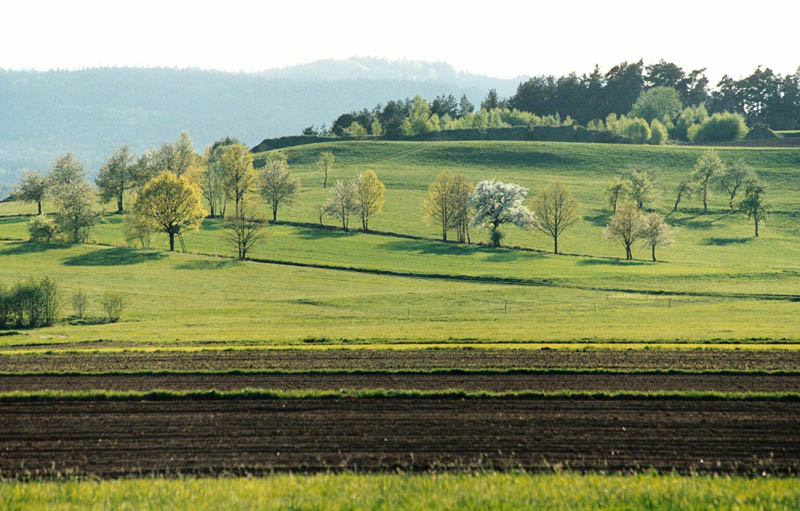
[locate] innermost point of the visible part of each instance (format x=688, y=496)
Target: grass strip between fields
x=410, y=372
x=255, y=394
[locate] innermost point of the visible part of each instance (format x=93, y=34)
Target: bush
x=638, y=131
x=41, y=229
x=722, y=126
x=80, y=302
x=113, y=304
x=658, y=133
x=30, y=304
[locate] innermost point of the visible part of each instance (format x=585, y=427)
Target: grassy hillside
x=712, y=284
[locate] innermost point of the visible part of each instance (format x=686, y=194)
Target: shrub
x=722, y=126
x=658, y=133
x=638, y=131
x=41, y=229
x=80, y=302
x=113, y=304
x=30, y=303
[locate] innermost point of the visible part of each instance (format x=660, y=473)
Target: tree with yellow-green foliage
x=170, y=204
x=369, y=196
x=240, y=176
x=447, y=204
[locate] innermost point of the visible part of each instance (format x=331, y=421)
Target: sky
x=501, y=38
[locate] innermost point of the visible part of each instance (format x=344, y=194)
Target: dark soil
x=469, y=382
x=407, y=359
x=120, y=438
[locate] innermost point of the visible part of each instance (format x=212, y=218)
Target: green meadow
x=717, y=283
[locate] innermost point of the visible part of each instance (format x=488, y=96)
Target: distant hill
x=90, y=112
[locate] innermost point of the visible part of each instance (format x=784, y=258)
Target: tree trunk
x=364, y=223
x=119, y=204
x=325, y=181
x=171, y=241
x=274, y=213
x=555, y=244
x=628, y=255
x=444, y=230
x=677, y=201
x=40, y=207
x=653, y=249
x=705, y=201
x=755, y=220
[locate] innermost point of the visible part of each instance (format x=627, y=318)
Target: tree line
x=763, y=98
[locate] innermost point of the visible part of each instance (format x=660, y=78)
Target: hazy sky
x=499, y=38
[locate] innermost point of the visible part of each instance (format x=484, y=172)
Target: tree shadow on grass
x=323, y=232
x=723, y=242
x=600, y=220
x=113, y=257
x=32, y=247
x=207, y=264
x=610, y=262
x=458, y=249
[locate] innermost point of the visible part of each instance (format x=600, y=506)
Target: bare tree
x=554, y=210
x=244, y=230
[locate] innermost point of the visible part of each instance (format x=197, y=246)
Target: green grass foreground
x=378, y=393
x=435, y=491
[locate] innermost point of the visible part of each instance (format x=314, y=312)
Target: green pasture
x=717, y=283
x=439, y=491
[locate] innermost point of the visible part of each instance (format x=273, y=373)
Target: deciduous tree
x=555, y=209
x=641, y=189
x=342, y=202
x=325, y=164
x=240, y=176
x=705, y=172
x=75, y=214
x=733, y=178
x=116, y=176
x=625, y=226
x=66, y=170
x=498, y=203
x=369, y=195
x=656, y=232
x=32, y=188
x=170, y=204
x=684, y=189
x=277, y=185
x=244, y=231
x=619, y=189
x=754, y=204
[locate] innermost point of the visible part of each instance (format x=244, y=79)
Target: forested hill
x=90, y=112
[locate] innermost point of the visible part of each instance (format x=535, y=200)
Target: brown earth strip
x=708, y=359
x=116, y=438
x=468, y=382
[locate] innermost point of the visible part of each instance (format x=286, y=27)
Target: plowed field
x=502, y=382
x=112, y=438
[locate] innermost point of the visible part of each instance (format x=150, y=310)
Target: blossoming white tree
x=498, y=203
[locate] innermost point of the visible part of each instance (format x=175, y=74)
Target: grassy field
x=462, y=491
x=718, y=282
